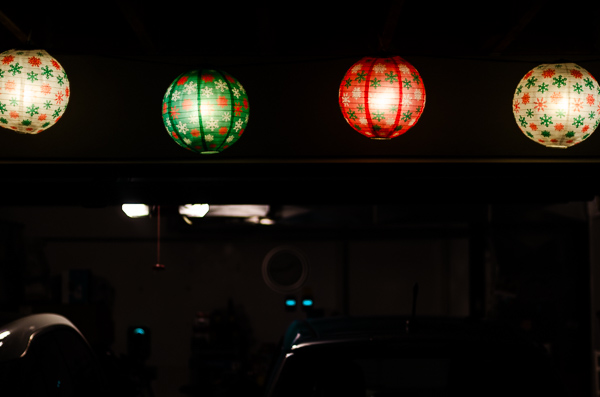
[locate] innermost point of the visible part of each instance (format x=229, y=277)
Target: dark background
x=496, y=224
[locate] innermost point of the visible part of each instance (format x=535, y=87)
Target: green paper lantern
x=557, y=105
x=34, y=91
x=205, y=111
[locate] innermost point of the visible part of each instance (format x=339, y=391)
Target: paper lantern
x=557, y=105
x=382, y=98
x=34, y=90
x=205, y=111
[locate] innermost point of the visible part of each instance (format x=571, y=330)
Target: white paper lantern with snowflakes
x=557, y=105
x=34, y=90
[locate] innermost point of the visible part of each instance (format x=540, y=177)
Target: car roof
x=353, y=329
x=16, y=336
x=466, y=345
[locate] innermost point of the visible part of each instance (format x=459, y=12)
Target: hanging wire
x=158, y=265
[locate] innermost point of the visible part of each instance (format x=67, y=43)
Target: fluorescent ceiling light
x=200, y=210
x=242, y=211
x=260, y=220
x=135, y=210
x=194, y=210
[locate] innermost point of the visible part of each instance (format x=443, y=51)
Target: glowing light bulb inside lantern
x=206, y=109
x=383, y=100
x=563, y=104
x=28, y=96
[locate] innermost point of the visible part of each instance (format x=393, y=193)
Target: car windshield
x=325, y=371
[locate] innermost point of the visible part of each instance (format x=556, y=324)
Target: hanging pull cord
x=386, y=36
x=158, y=265
x=409, y=323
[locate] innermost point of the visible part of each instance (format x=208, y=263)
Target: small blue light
x=139, y=331
x=307, y=302
x=290, y=302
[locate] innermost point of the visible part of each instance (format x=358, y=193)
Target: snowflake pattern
x=207, y=91
x=44, y=78
x=190, y=87
x=379, y=68
x=385, y=99
x=560, y=103
x=221, y=85
x=210, y=122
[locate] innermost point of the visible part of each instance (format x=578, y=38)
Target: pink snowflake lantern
x=34, y=91
x=557, y=105
x=382, y=98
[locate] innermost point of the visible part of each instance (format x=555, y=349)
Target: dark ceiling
x=431, y=28
x=297, y=147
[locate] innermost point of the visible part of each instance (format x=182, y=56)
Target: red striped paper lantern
x=382, y=98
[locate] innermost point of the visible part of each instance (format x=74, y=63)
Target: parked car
x=46, y=355
x=400, y=356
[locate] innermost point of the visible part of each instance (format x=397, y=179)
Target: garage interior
x=486, y=222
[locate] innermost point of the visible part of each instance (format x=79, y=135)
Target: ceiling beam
x=521, y=24
x=137, y=26
x=13, y=28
